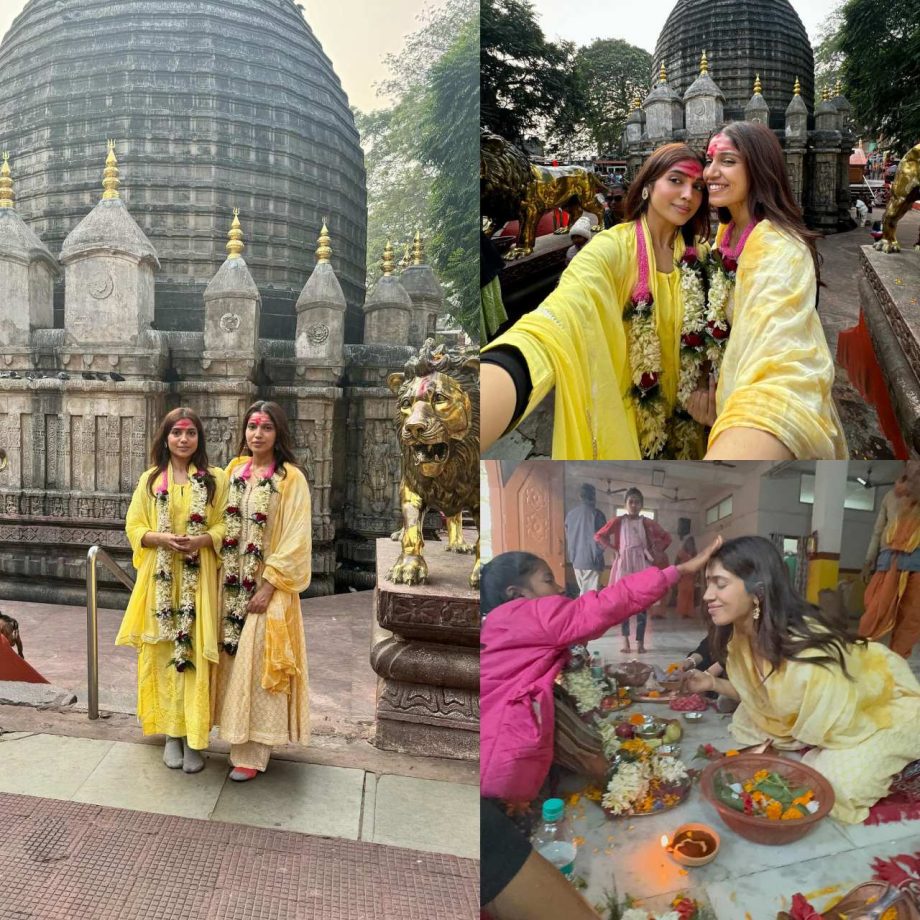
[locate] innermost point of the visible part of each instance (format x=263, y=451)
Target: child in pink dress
x=637, y=542
x=529, y=625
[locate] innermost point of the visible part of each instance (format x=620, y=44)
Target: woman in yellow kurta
x=774, y=398
x=617, y=392
x=893, y=596
x=803, y=681
x=261, y=692
x=175, y=527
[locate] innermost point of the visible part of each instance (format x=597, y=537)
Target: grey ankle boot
x=192, y=761
x=172, y=754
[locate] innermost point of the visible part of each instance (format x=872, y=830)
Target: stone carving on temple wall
x=101, y=285
x=379, y=486
x=229, y=322
x=219, y=434
x=438, y=704
x=318, y=333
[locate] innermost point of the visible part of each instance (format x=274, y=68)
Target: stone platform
x=888, y=293
x=426, y=653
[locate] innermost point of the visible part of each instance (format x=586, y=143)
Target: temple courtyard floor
x=93, y=825
x=746, y=881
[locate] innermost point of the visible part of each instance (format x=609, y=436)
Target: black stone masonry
x=215, y=104
x=741, y=39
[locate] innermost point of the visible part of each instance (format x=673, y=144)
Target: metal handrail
x=97, y=554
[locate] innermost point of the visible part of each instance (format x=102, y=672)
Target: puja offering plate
x=663, y=799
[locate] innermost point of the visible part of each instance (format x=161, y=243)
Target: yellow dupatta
x=576, y=341
x=777, y=371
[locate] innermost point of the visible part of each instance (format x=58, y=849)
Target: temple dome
x=741, y=39
x=215, y=104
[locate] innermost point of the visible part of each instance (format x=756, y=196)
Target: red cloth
x=903, y=799
x=12, y=667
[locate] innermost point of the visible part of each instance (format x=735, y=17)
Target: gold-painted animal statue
x=513, y=188
x=437, y=414
x=905, y=190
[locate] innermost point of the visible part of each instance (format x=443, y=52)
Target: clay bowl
x=630, y=673
x=762, y=830
x=678, y=855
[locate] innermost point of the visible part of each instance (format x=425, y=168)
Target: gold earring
x=756, y=608
x=645, y=193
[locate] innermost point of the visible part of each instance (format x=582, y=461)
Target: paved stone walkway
x=74, y=861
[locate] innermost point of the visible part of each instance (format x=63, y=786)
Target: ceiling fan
x=676, y=500
x=867, y=483
x=612, y=491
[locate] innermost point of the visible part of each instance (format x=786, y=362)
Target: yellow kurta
x=777, y=371
x=261, y=693
x=169, y=702
x=576, y=341
x=864, y=730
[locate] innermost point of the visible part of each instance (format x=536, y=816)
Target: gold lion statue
x=905, y=190
x=513, y=188
x=437, y=414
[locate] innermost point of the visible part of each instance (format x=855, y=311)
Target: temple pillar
x=827, y=523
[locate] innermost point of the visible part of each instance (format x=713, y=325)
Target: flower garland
x=683, y=907
x=645, y=356
x=635, y=786
x=587, y=692
x=241, y=567
x=176, y=624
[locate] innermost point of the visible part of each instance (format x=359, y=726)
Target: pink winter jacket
x=525, y=644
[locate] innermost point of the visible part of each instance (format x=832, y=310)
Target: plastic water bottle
x=553, y=839
x=597, y=666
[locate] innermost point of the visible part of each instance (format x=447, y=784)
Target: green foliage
x=610, y=73
x=879, y=41
x=421, y=152
x=525, y=80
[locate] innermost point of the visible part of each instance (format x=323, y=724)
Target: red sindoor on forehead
x=719, y=144
x=691, y=167
x=260, y=418
x=184, y=423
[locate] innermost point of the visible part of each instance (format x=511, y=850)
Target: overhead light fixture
x=657, y=477
x=862, y=482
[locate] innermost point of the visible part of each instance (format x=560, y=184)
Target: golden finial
x=110, y=180
x=838, y=89
x=6, y=183
x=323, y=249
x=704, y=64
x=636, y=103
x=235, y=244
x=662, y=74
x=826, y=94
x=418, y=249
x=797, y=89
x=387, y=263
x=758, y=88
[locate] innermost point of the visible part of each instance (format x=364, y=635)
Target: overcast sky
x=638, y=23
x=356, y=34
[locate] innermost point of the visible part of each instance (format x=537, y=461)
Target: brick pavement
x=72, y=861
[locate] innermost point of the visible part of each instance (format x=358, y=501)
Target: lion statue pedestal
x=425, y=650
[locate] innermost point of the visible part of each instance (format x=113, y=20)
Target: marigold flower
x=774, y=811
x=636, y=718
x=731, y=753
x=791, y=814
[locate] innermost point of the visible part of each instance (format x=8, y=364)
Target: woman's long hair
x=284, y=443
x=788, y=625
x=506, y=570
x=769, y=193
x=661, y=161
x=159, y=449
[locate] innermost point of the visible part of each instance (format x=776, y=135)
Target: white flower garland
x=668, y=769
x=585, y=690
x=629, y=784
x=240, y=576
x=176, y=624
x=637, y=913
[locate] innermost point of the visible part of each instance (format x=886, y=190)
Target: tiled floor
x=421, y=814
x=746, y=881
x=74, y=861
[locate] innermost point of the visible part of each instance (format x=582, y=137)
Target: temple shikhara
x=183, y=221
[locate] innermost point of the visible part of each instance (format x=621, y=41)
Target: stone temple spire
x=235, y=244
x=387, y=264
x=110, y=180
x=323, y=249
x=6, y=183
x=418, y=249
x=757, y=109
x=388, y=307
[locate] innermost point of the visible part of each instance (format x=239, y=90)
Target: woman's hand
x=259, y=602
x=691, y=566
x=169, y=541
x=691, y=662
x=702, y=404
x=699, y=681
x=867, y=571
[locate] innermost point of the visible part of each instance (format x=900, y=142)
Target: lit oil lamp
x=692, y=844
